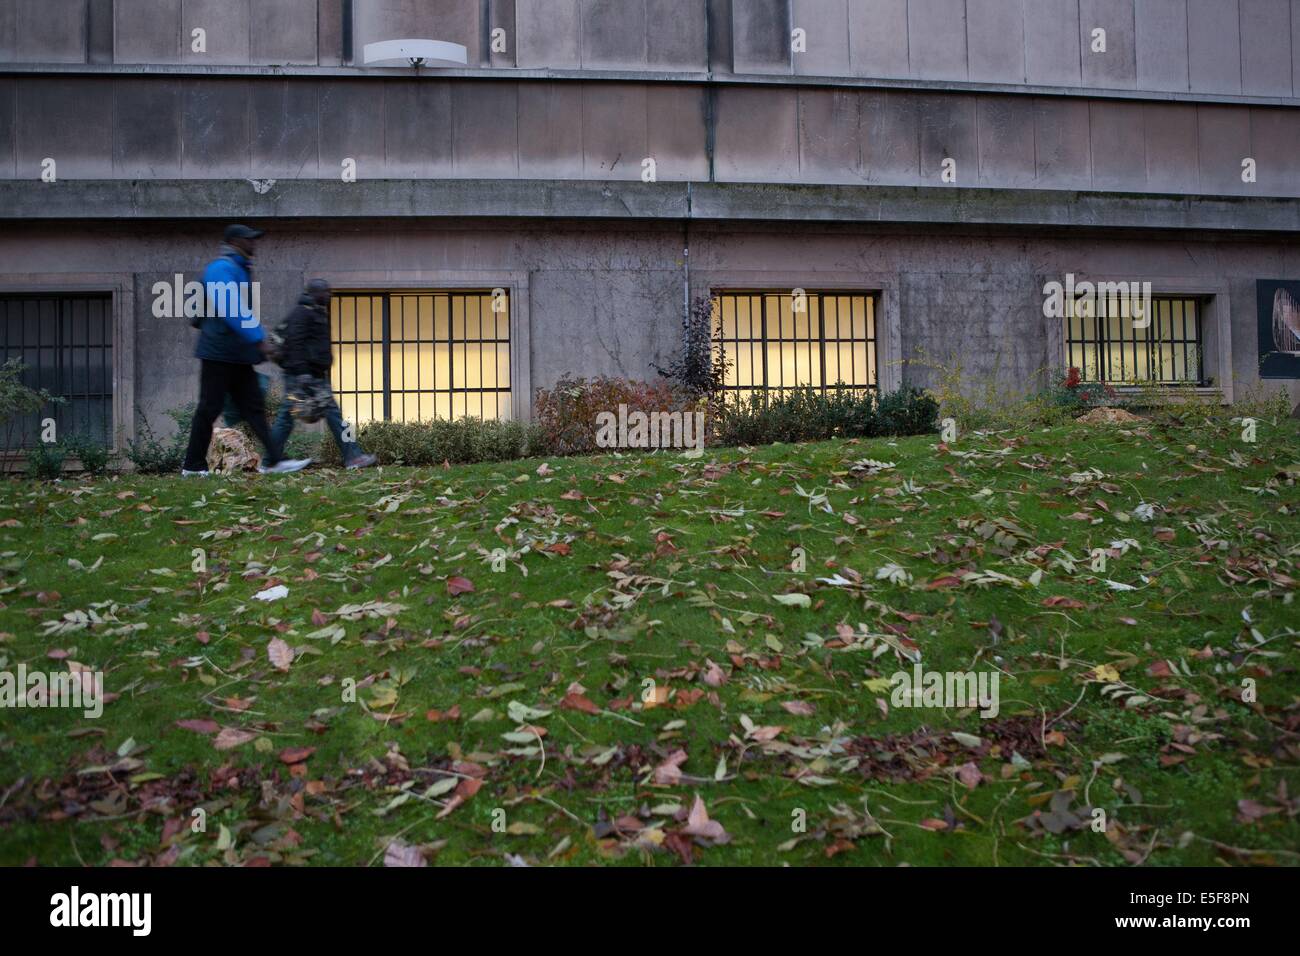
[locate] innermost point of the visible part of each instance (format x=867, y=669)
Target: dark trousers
x=216, y=380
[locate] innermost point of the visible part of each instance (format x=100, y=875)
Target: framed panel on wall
x=1278, y=301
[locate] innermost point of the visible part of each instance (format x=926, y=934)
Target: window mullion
x=387, y=346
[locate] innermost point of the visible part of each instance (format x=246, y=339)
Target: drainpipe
x=686, y=263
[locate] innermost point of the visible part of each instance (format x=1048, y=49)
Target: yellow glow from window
x=834, y=332
x=433, y=372
x=1112, y=348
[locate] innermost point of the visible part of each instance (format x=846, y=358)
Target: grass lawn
x=644, y=649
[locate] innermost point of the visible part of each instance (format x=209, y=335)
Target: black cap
x=236, y=231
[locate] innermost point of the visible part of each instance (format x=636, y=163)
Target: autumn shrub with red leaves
x=566, y=414
x=1074, y=393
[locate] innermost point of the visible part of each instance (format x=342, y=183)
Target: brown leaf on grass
x=293, y=755
x=464, y=790
x=403, y=854
x=1252, y=810
x=458, y=585
x=682, y=845
x=232, y=737
x=200, y=725
x=576, y=701
x=969, y=774
x=1057, y=600
x=669, y=773
x=451, y=713
x=698, y=824
x=947, y=581
x=279, y=653
x=800, y=708
x=764, y=734
x=713, y=674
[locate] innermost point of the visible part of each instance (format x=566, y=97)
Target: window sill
x=1207, y=393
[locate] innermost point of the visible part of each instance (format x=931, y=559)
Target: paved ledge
x=89, y=200
x=640, y=76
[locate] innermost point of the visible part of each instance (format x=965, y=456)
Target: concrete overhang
x=117, y=200
x=606, y=75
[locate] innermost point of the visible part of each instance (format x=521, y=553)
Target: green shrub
x=462, y=441
x=909, y=411
x=45, y=461
x=93, y=456
x=806, y=414
x=152, y=455
x=566, y=414
x=305, y=444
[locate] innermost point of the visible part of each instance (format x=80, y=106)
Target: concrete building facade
x=867, y=188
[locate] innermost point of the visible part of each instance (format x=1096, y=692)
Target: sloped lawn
x=645, y=649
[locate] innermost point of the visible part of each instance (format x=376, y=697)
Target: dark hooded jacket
x=306, y=349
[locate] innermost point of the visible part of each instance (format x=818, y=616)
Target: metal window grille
x=65, y=342
x=829, y=345
x=419, y=355
x=1111, y=347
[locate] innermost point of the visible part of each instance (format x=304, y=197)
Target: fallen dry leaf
x=280, y=654
x=698, y=824
x=232, y=737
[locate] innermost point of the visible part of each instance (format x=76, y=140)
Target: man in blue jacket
x=231, y=342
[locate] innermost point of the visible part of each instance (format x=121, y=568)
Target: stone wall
x=608, y=299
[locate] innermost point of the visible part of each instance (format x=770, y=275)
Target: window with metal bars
x=418, y=355
x=65, y=343
x=1113, y=346
x=776, y=341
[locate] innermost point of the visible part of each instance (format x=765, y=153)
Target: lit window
x=65, y=343
x=415, y=356
x=1112, y=347
x=775, y=342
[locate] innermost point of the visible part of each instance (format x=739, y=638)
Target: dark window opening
x=65, y=343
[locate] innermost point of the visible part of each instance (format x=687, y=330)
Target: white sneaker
x=194, y=474
x=284, y=466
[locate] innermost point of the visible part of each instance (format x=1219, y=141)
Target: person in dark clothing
x=231, y=342
x=306, y=357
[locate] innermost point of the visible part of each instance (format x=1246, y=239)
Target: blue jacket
x=230, y=331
